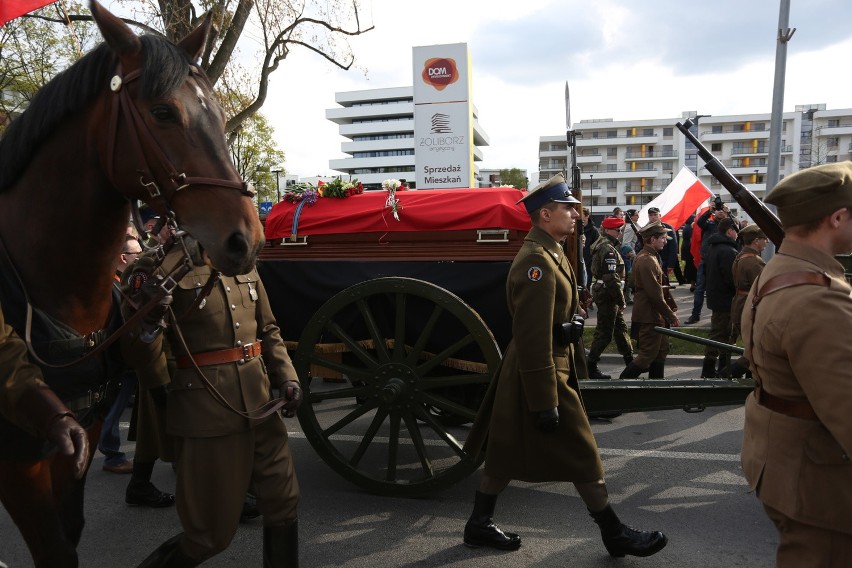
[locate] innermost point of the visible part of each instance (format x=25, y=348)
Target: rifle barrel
x=762, y=215
x=709, y=342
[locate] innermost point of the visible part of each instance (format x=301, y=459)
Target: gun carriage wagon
x=397, y=326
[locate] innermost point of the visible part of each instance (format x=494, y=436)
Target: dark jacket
x=718, y=271
x=708, y=227
x=668, y=256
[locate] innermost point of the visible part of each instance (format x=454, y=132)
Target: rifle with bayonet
x=576, y=259
x=765, y=219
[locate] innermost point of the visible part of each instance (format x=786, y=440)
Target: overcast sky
x=623, y=59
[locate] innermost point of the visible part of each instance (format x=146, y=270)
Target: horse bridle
x=162, y=181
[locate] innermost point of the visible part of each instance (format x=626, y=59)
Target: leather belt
x=235, y=354
x=794, y=408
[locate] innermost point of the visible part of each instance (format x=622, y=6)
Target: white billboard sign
x=443, y=117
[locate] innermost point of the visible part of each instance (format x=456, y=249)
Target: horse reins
x=160, y=188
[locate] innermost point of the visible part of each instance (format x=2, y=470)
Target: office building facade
x=628, y=163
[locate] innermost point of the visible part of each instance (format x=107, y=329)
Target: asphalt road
x=672, y=471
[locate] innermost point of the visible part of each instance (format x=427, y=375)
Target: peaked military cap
x=811, y=194
x=655, y=228
x=554, y=189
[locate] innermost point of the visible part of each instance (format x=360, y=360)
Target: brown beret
x=655, y=228
x=811, y=194
x=751, y=232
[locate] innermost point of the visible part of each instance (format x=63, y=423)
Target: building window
x=668, y=166
x=611, y=133
x=611, y=184
x=668, y=132
x=830, y=159
x=612, y=167
x=648, y=132
x=611, y=200
x=611, y=152
x=832, y=142
x=716, y=129
x=716, y=147
x=833, y=123
x=758, y=126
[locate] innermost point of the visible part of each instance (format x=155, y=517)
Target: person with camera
x=532, y=415
x=707, y=222
x=652, y=307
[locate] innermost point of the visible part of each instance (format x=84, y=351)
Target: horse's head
x=165, y=144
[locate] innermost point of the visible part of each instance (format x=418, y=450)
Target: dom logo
x=440, y=72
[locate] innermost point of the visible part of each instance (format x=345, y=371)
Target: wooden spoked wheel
x=394, y=370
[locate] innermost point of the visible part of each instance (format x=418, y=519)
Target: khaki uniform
x=537, y=374
x=18, y=375
x=747, y=267
x=608, y=294
x=650, y=308
x=798, y=346
x=219, y=452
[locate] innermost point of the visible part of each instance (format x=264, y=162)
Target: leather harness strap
x=221, y=357
x=801, y=409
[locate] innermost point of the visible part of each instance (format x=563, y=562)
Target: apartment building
x=379, y=126
x=628, y=163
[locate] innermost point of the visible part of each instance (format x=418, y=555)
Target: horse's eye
x=163, y=113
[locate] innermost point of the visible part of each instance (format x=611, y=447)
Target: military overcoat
x=798, y=346
x=537, y=374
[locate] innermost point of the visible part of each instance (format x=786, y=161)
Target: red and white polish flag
x=11, y=9
x=684, y=196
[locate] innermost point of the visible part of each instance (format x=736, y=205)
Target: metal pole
x=774, y=161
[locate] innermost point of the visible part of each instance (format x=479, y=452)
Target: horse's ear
x=194, y=43
x=117, y=34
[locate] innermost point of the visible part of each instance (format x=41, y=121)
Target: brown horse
x=134, y=119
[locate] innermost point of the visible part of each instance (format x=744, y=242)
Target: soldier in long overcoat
x=797, y=439
x=533, y=417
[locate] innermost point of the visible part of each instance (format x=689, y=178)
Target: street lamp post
x=695, y=122
x=591, y=194
x=277, y=170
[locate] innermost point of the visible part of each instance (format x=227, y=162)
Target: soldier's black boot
x=628, y=358
x=724, y=366
x=281, y=546
x=657, y=370
x=595, y=373
x=708, y=369
x=619, y=539
x=480, y=529
x=734, y=370
x=169, y=555
x=632, y=371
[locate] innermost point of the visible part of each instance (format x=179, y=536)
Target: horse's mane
x=165, y=67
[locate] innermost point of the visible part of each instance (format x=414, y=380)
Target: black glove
x=159, y=395
x=155, y=320
x=292, y=393
x=548, y=420
x=71, y=440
